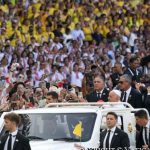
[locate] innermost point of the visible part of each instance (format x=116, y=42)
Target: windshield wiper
x=68, y=139
x=34, y=138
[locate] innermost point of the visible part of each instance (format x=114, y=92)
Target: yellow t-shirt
x=9, y=32
x=48, y=35
x=71, y=11
x=134, y=3
x=119, y=3
x=105, y=30
x=25, y=29
x=71, y=26
x=51, y=10
x=87, y=31
x=4, y=8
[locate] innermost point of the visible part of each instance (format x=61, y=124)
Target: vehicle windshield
x=57, y=126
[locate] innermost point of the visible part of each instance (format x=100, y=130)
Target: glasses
x=121, y=82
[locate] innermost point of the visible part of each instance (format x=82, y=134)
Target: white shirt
x=110, y=138
x=78, y=34
x=128, y=93
x=76, y=79
x=132, y=37
x=13, y=140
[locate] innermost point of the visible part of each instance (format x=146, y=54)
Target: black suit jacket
x=115, y=78
x=92, y=97
x=120, y=139
x=147, y=103
x=135, y=75
x=21, y=142
x=135, y=99
x=139, y=139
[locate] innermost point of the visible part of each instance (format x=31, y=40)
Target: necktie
x=146, y=139
x=124, y=96
x=99, y=96
x=9, y=142
x=107, y=139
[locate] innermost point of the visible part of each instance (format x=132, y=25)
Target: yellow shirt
x=8, y=24
x=119, y=3
x=4, y=8
x=25, y=29
x=63, y=17
x=105, y=30
x=3, y=38
x=134, y=3
x=48, y=35
x=126, y=30
x=28, y=38
x=119, y=22
x=71, y=26
x=88, y=31
x=20, y=36
x=9, y=32
x=38, y=37
x=70, y=11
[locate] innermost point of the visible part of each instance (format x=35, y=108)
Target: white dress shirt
x=13, y=140
x=110, y=138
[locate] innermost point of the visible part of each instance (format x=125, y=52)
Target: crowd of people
x=74, y=51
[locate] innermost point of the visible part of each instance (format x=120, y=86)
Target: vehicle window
x=56, y=126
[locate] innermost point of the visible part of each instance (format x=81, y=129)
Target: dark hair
x=99, y=76
x=13, y=117
x=14, y=89
x=53, y=94
x=132, y=59
x=113, y=114
x=141, y=114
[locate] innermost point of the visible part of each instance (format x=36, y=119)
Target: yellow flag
x=78, y=129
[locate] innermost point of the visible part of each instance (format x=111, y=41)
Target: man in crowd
x=52, y=97
x=129, y=94
x=117, y=73
x=133, y=69
x=100, y=92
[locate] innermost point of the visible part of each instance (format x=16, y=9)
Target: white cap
x=117, y=92
x=136, y=51
x=128, y=50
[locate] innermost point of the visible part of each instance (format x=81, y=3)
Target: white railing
x=90, y=104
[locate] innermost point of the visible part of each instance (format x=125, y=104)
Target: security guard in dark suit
x=100, y=92
x=113, y=137
x=143, y=133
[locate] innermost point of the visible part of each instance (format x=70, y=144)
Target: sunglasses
x=121, y=82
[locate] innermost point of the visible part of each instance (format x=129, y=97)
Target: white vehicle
x=52, y=128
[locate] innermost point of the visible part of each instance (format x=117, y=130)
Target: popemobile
x=64, y=125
